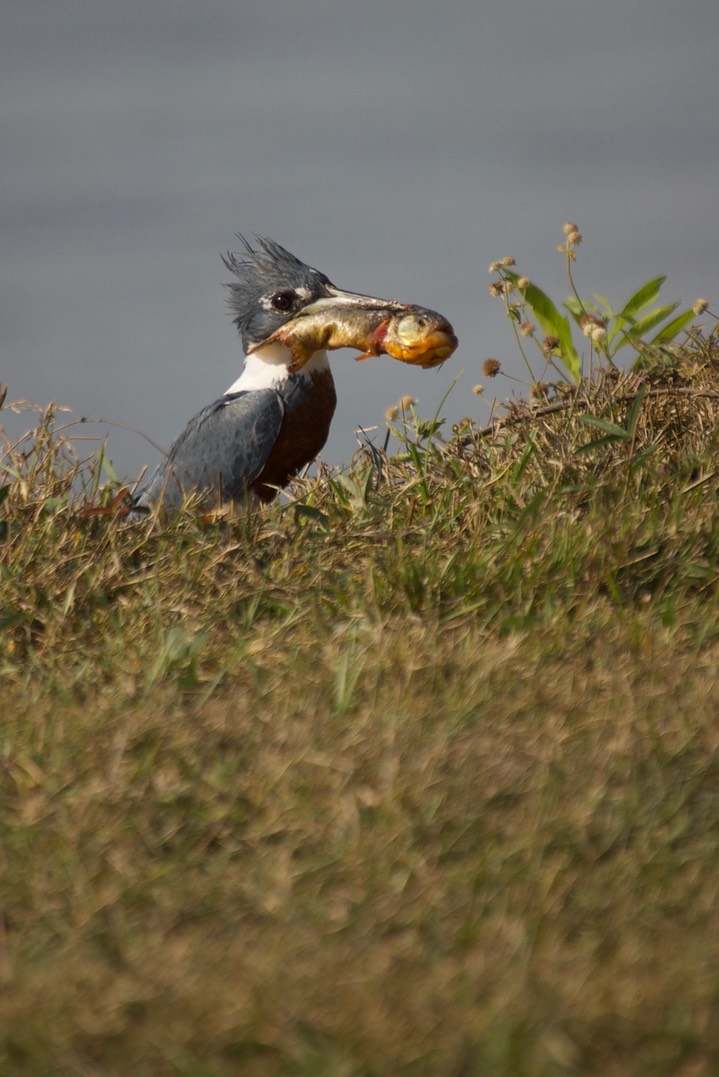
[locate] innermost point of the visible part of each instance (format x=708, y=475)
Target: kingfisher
x=275, y=418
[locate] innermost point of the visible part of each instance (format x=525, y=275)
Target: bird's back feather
x=220, y=451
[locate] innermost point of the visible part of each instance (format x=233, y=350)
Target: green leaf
x=599, y=443
x=670, y=330
x=615, y=432
x=603, y=302
x=309, y=512
x=634, y=411
x=110, y=471
x=527, y=453
x=647, y=294
x=427, y=428
x=648, y=322
x=653, y=318
x=574, y=307
x=553, y=324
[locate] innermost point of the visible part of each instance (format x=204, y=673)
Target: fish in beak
x=340, y=319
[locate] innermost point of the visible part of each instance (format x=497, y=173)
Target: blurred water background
x=400, y=146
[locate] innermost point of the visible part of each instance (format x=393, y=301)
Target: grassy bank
x=418, y=773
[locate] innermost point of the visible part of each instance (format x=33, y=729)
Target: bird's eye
x=283, y=301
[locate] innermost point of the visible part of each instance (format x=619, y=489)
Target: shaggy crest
x=261, y=271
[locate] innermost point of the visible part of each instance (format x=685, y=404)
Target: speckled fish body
x=406, y=332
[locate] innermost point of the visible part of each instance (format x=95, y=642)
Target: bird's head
x=277, y=298
x=272, y=287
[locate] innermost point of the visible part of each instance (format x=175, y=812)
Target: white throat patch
x=269, y=367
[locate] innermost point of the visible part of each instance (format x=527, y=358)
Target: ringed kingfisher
x=275, y=418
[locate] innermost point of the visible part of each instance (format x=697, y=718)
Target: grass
x=417, y=773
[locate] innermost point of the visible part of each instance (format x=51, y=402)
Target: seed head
x=495, y=266
x=508, y=260
x=491, y=367
x=700, y=305
x=593, y=327
x=551, y=344
x=406, y=402
x=391, y=413
x=477, y=390
x=523, y=283
x=574, y=238
x=527, y=329
x=568, y=227
x=496, y=288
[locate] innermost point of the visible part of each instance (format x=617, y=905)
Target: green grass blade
x=613, y=429
x=635, y=411
x=600, y=443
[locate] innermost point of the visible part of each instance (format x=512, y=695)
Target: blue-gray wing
x=220, y=451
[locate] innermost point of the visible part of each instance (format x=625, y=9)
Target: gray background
x=400, y=147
